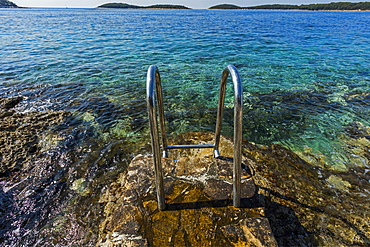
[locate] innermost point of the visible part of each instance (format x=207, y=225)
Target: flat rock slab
x=199, y=207
x=20, y=133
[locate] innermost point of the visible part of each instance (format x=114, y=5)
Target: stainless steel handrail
x=154, y=80
x=238, y=121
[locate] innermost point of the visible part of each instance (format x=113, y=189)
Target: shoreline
x=186, y=9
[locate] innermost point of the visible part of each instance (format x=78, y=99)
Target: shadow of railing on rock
x=247, y=203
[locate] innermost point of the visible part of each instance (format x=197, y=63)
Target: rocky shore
x=300, y=204
x=20, y=133
x=288, y=199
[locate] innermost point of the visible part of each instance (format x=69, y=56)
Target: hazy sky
x=196, y=4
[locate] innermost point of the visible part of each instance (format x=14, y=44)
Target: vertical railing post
x=153, y=77
x=238, y=118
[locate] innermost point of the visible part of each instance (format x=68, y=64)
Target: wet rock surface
x=331, y=206
x=356, y=139
x=20, y=133
x=22, y=199
x=50, y=197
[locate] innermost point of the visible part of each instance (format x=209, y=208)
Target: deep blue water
x=306, y=75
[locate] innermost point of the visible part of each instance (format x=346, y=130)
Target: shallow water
x=305, y=75
x=312, y=62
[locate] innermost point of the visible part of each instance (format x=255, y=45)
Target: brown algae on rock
x=19, y=133
x=338, y=183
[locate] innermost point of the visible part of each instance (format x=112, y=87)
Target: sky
x=195, y=4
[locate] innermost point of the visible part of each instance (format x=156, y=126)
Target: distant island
x=328, y=6
x=227, y=6
x=130, y=6
x=7, y=4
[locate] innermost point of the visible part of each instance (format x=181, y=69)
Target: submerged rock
x=356, y=139
x=20, y=132
x=304, y=202
x=50, y=197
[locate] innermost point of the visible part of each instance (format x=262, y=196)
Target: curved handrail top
x=238, y=102
x=238, y=87
x=238, y=121
x=150, y=81
x=153, y=93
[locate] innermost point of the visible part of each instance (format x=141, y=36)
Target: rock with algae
x=19, y=133
x=199, y=212
x=356, y=139
x=322, y=206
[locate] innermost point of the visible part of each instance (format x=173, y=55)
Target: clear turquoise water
x=306, y=81
x=299, y=70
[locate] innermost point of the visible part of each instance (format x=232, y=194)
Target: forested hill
x=328, y=6
x=7, y=4
x=130, y=6
x=227, y=6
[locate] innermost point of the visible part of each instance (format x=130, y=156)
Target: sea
x=305, y=75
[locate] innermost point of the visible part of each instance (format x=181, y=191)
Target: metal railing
x=154, y=87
